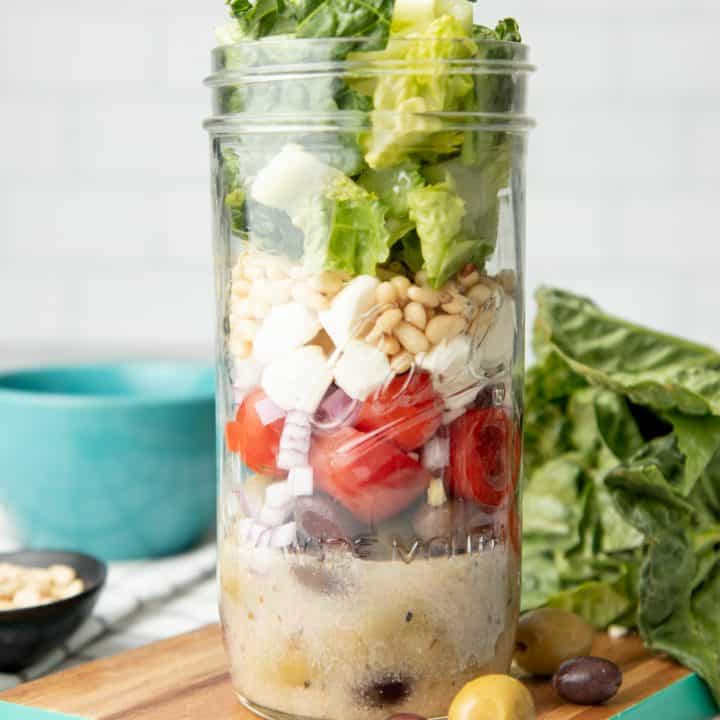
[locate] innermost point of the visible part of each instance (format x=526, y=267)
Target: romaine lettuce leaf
x=346, y=230
x=393, y=185
x=652, y=369
x=400, y=126
x=438, y=212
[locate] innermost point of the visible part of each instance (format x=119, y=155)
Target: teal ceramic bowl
x=113, y=460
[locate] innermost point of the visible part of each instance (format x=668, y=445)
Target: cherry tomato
x=484, y=456
x=370, y=476
x=257, y=443
x=407, y=411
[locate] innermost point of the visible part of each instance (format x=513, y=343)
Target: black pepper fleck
x=409, y=616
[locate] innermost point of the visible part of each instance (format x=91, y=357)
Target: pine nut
x=245, y=329
x=254, y=272
x=386, y=293
x=457, y=306
x=421, y=278
x=506, y=278
x=411, y=338
x=444, y=327
x=401, y=285
x=305, y=295
x=480, y=293
x=241, y=308
x=402, y=362
x=241, y=349
x=415, y=314
x=424, y=295
x=259, y=308
x=481, y=323
x=389, y=319
x=389, y=345
x=467, y=281
x=328, y=283
x=241, y=288
x=374, y=335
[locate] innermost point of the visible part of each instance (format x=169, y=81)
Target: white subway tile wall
x=104, y=202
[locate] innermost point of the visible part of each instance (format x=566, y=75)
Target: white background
x=104, y=204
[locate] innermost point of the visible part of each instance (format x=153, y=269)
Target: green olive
x=547, y=637
x=493, y=697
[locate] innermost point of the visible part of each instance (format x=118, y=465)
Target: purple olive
x=316, y=577
x=385, y=691
x=452, y=522
x=321, y=517
x=587, y=680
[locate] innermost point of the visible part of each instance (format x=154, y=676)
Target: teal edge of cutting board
x=686, y=699
x=10, y=711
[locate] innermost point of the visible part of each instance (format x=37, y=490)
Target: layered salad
x=370, y=340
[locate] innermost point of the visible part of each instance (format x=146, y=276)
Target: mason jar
x=370, y=340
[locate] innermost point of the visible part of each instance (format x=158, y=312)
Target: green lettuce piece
x=346, y=230
x=400, y=126
x=599, y=602
x=698, y=439
x=393, y=185
x=652, y=369
x=438, y=212
x=367, y=19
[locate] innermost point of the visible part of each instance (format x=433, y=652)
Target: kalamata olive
x=316, y=577
x=587, y=680
x=321, y=517
x=454, y=520
x=385, y=691
x=493, y=697
x=547, y=637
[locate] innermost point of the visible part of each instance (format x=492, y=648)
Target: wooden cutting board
x=185, y=678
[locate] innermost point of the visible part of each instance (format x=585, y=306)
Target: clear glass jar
x=370, y=325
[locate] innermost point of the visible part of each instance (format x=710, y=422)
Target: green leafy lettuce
x=368, y=20
x=401, y=127
x=346, y=230
x=622, y=504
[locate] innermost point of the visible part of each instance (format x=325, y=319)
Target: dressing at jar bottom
x=344, y=638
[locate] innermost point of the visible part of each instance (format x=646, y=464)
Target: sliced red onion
x=436, y=453
x=414, y=456
x=301, y=481
x=274, y=516
x=294, y=449
x=268, y=411
x=278, y=494
x=256, y=533
x=243, y=529
x=336, y=410
x=283, y=536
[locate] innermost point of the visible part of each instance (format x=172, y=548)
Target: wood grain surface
x=185, y=678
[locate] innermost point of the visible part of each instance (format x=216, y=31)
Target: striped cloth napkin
x=142, y=601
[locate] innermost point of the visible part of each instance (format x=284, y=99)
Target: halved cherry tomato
x=369, y=475
x=257, y=443
x=484, y=456
x=407, y=411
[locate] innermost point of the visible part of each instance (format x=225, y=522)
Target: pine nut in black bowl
x=29, y=633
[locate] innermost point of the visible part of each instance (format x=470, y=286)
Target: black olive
x=385, y=691
x=587, y=680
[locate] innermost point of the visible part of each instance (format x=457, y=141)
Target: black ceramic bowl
x=26, y=634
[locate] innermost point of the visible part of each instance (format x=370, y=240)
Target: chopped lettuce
x=366, y=19
x=393, y=185
x=622, y=505
x=347, y=231
x=400, y=127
